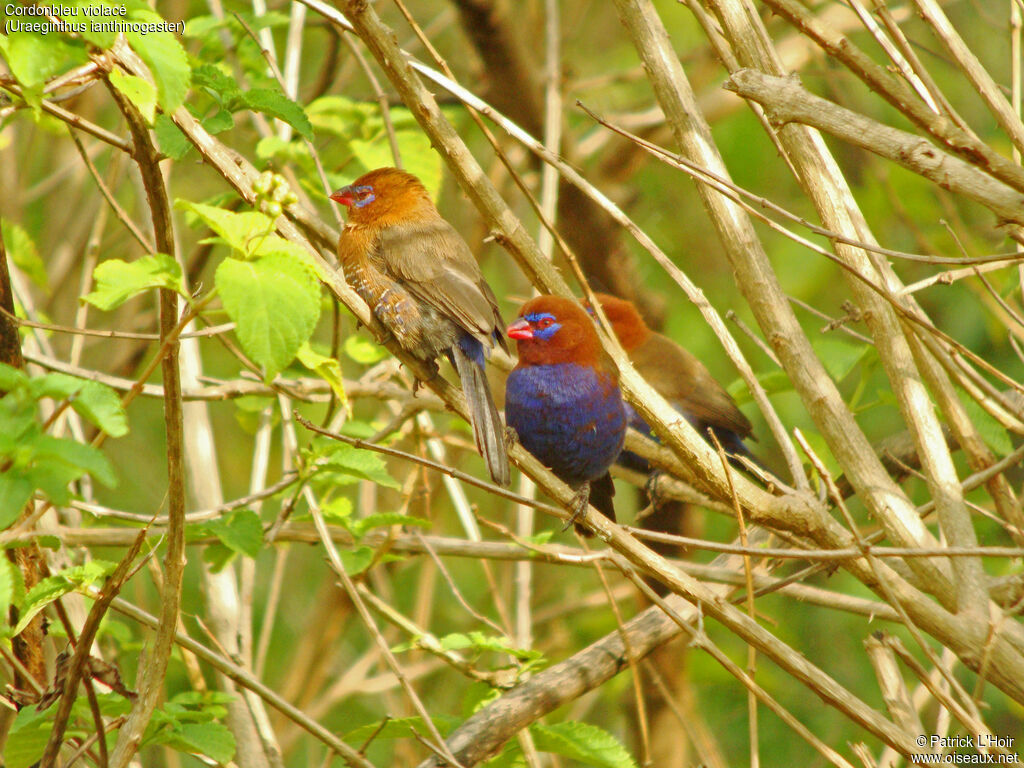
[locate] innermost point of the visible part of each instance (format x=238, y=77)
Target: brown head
x=386, y=195
x=626, y=321
x=552, y=330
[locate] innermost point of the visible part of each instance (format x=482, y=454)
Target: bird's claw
x=578, y=507
x=651, y=489
x=417, y=382
x=511, y=436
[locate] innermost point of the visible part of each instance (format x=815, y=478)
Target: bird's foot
x=418, y=382
x=511, y=436
x=651, y=489
x=578, y=507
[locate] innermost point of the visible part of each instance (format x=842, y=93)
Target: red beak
x=343, y=196
x=520, y=329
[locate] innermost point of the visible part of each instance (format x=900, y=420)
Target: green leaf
x=23, y=252
x=839, y=357
x=241, y=532
x=363, y=351
x=15, y=491
x=117, y=281
x=327, y=368
x=172, y=141
x=33, y=59
x=241, y=231
x=357, y=560
x=12, y=585
x=139, y=92
x=167, y=61
x=221, y=86
x=275, y=304
x=96, y=402
x=276, y=104
x=991, y=431
x=211, y=739
x=218, y=123
x=94, y=32
x=399, y=728
x=364, y=464
x=78, y=456
x=26, y=744
x=478, y=642
x=337, y=510
x=583, y=742
x=52, y=587
x=11, y=378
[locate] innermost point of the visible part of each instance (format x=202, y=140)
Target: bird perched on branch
x=422, y=283
x=563, y=398
x=677, y=376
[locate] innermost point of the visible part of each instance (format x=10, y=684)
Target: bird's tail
x=488, y=430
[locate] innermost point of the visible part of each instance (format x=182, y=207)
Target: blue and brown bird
x=422, y=283
x=563, y=398
x=677, y=376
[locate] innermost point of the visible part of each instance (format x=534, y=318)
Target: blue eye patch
x=543, y=333
x=364, y=200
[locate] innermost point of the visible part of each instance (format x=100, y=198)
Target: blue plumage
x=563, y=398
x=569, y=416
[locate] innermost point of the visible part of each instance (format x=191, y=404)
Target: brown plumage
x=677, y=376
x=420, y=279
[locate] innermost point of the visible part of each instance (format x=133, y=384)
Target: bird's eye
x=545, y=322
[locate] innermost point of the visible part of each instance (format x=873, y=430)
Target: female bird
x=677, y=376
x=421, y=281
x=563, y=398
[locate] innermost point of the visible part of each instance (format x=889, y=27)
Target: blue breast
x=569, y=416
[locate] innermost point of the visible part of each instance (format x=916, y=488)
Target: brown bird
x=677, y=376
x=420, y=279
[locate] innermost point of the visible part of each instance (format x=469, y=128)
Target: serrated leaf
x=242, y=532
x=327, y=368
x=583, y=742
x=96, y=402
x=139, y=92
x=167, y=61
x=218, y=123
x=117, y=280
x=94, y=32
x=275, y=303
x=364, y=464
x=33, y=59
x=215, y=82
x=169, y=137
x=52, y=587
x=363, y=351
x=23, y=252
x=79, y=456
x=211, y=739
x=276, y=104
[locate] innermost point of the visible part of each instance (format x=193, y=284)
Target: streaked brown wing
x=682, y=378
x=438, y=268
